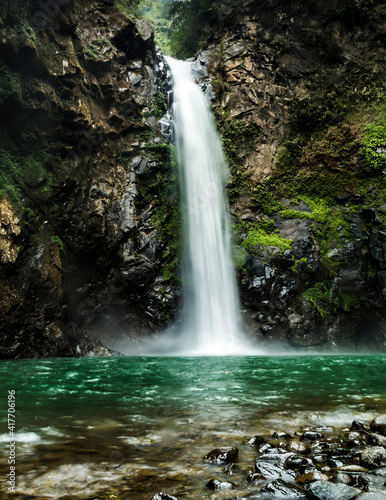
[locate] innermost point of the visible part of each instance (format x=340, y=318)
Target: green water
x=142, y=425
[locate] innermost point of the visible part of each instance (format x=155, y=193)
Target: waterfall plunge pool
x=137, y=426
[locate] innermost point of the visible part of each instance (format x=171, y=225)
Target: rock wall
x=84, y=161
x=298, y=95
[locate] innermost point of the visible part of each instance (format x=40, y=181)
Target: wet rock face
x=262, y=72
x=80, y=251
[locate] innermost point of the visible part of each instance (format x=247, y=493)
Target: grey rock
x=215, y=484
x=373, y=457
x=271, y=471
x=282, y=489
x=371, y=482
x=376, y=495
x=163, y=496
x=323, y=490
x=223, y=455
x=378, y=424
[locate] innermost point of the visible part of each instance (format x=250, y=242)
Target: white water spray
x=212, y=321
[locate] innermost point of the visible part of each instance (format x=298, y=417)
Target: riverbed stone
x=282, y=489
x=163, y=496
x=268, y=470
x=215, y=484
x=298, y=447
x=295, y=462
x=343, y=478
x=375, y=495
x=310, y=477
x=378, y=424
x=371, y=482
x=357, y=426
x=281, y=435
x=257, y=441
x=376, y=440
x=373, y=457
x=323, y=490
x=381, y=471
x=311, y=436
x=222, y=455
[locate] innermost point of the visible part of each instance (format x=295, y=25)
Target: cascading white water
x=212, y=320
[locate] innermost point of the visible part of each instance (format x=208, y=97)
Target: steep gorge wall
x=300, y=102
x=83, y=155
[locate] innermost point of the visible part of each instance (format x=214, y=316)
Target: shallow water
x=142, y=425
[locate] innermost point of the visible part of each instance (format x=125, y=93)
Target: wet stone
x=295, y=462
x=271, y=471
x=281, y=435
x=215, y=484
x=276, y=457
x=378, y=424
x=376, y=495
x=298, y=447
x=163, y=496
x=323, y=490
x=373, y=457
x=257, y=441
x=370, y=482
x=377, y=440
x=334, y=463
x=282, y=489
x=311, y=436
x=353, y=469
x=379, y=472
x=222, y=455
x=310, y=477
x=357, y=426
x=343, y=478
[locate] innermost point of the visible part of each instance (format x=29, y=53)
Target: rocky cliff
x=89, y=218
x=85, y=183
x=300, y=102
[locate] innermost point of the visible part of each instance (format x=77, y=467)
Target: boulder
x=215, y=484
x=378, y=424
x=376, y=440
x=298, y=447
x=281, y=489
x=323, y=490
x=375, y=495
x=268, y=470
x=257, y=441
x=295, y=462
x=373, y=457
x=371, y=482
x=222, y=456
x=163, y=496
x=311, y=436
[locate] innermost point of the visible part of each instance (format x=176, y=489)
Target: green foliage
x=58, y=241
x=298, y=263
x=127, y=6
x=320, y=297
x=374, y=145
x=10, y=84
x=317, y=295
x=192, y=21
x=235, y=134
x=156, y=11
x=256, y=237
x=159, y=106
x=19, y=170
x=320, y=211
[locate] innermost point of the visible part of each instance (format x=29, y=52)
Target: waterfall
x=212, y=321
